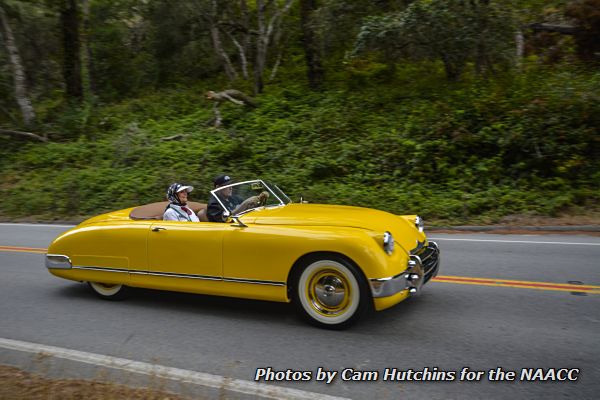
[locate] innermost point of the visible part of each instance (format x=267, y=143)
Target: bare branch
x=28, y=135
x=275, y=19
x=243, y=58
x=266, y=5
x=276, y=66
x=236, y=27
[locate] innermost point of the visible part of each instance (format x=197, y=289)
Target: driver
x=214, y=211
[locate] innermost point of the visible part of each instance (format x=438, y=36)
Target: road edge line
x=175, y=374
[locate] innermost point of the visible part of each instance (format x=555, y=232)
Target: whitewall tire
x=108, y=291
x=330, y=292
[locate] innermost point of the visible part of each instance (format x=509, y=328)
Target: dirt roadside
x=16, y=384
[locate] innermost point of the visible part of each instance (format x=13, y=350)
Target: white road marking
x=27, y=224
x=516, y=241
x=176, y=374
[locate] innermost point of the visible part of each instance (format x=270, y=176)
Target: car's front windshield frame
x=282, y=198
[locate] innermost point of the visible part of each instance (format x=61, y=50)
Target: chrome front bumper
x=58, y=261
x=423, y=265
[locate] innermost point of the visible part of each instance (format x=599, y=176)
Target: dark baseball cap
x=222, y=180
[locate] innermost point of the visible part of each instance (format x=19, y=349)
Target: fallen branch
x=179, y=136
x=28, y=135
x=564, y=29
x=232, y=95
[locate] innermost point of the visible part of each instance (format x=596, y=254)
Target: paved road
x=448, y=327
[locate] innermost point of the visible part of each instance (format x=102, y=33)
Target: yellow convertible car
x=333, y=262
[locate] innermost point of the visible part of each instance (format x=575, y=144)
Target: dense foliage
x=389, y=128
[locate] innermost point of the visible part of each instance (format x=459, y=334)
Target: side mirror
x=238, y=223
x=302, y=201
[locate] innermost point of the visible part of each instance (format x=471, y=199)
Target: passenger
x=177, y=210
x=214, y=211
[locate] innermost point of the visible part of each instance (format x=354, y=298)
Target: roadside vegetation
x=16, y=384
x=473, y=140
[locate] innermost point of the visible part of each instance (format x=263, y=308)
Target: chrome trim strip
x=186, y=276
x=254, y=281
x=176, y=275
x=122, y=270
x=58, y=261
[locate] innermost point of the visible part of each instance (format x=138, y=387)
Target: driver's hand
x=263, y=196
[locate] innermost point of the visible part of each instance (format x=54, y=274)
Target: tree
x=21, y=94
x=267, y=25
x=69, y=18
x=217, y=43
x=315, y=71
x=87, y=60
x=452, y=31
x=586, y=13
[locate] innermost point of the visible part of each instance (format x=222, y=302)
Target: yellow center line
x=563, y=287
x=461, y=280
x=23, y=249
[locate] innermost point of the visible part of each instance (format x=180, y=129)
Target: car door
x=183, y=256
x=257, y=259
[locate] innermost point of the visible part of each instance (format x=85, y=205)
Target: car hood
x=402, y=227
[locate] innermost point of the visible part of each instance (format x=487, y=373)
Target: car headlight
x=388, y=243
x=419, y=224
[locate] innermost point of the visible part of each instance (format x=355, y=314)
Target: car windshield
x=242, y=197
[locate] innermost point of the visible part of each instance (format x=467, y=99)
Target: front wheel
x=331, y=293
x=108, y=291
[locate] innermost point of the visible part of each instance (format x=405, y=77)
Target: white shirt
x=175, y=213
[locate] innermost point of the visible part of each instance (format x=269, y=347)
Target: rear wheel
x=330, y=292
x=108, y=291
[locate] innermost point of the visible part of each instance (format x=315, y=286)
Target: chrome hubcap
x=330, y=291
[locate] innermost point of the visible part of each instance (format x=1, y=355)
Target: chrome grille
x=430, y=258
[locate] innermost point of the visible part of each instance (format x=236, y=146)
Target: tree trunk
x=261, y=51
x=315, y=71
x=263, y=38
x=247, y=39
x=453, y=69
x=87, y=61
x=482, y=57
x=520, y=42
x=72, y=57
x=218, y=44
x=18, y=71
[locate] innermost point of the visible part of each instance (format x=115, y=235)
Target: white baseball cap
x=186, y=188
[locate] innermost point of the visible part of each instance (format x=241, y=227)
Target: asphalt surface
x=449, y=327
